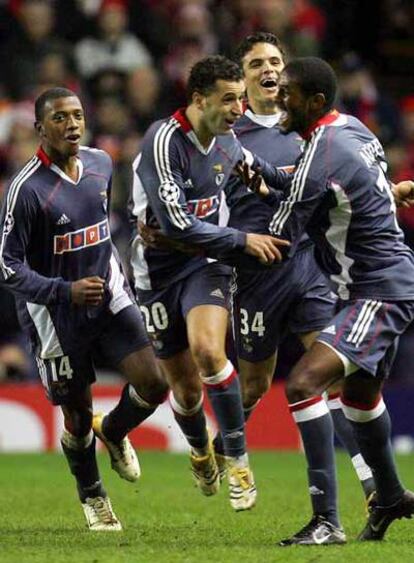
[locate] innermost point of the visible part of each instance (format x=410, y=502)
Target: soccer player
x=340, y=194
x=293, y=294
x=57, y=257
x=185, y=162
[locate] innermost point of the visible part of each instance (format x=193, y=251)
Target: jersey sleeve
x=160, y=172
x=306, y=188
x=16, y=227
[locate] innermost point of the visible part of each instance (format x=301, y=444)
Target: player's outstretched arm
x=87, y=291
x=265, y=248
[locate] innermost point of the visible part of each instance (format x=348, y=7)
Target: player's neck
x=263, y=107
x=68, y=164
x=203, y=134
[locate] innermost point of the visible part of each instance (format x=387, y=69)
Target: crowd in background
x=128, y=61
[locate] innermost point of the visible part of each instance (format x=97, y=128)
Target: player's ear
x=39, y=127
x=318, y=101
x=198, y=100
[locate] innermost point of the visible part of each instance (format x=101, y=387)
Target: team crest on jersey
x=169, y=192
x=75, y=240
x=219, y=179
x=218, y=168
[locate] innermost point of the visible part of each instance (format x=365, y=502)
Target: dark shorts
x=366, y=332
x=165, y=310
x=109, y=338
x=295, y=298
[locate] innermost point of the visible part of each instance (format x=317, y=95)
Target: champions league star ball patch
x=168, y=192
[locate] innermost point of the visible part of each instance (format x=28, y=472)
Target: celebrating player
x=294, y=294
x=57, y=257
x=186, y=161
x=340, y=194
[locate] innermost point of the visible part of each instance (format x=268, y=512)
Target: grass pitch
x=166, y=519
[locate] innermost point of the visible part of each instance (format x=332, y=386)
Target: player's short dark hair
x=50, y=94
x=205, y=73
x=248, y=43
x=314, y=76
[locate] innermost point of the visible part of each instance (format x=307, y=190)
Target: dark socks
x=192, y=423
x=372, y=428
x=80, y=455
x=345, y=433
x=315, y=426
x=128, y=414
x=224, y=393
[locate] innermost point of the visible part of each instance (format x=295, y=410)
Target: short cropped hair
x=248, y=43
x=314, y=76
x=50, y=94
x=205, y=73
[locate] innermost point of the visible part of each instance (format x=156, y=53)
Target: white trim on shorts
x=349, y=367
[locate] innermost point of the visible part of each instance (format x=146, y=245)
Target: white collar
x=194, y=139
x=263, y=120
x=62, y=174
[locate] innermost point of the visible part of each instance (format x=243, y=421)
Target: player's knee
x=154, y=390
x=79, y=422
x=187, y=398
x=253, y=390
x=208, y=357
x=301, y=386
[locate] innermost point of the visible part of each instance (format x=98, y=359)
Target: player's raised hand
x=265, y=248
x=88, y=291
x=404, y=193
x=252, y=179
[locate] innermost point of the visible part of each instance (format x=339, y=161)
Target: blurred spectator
x=192, y=20
x=112, y=123
x=148, y=98
x=31, y=42
x=360, y=96
x=177, y=64
x=299, y=24
x=115, y=48
x=18, y=140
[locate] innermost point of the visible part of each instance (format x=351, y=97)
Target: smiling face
x=262, y=66
x=297, y=107
x=61, y=127
x=222, y=107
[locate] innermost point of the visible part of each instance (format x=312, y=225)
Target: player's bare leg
x=78, y=444
x=140, y=397
x=186, y=400
x=206, y=329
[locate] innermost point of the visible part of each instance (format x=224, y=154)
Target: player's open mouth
x=269, y=84
x=230, y=123
x=73, y=138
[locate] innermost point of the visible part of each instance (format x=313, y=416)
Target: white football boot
x=100, y=516
x=124, y=460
